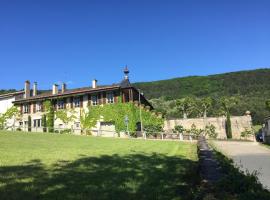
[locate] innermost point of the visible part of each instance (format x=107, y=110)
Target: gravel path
x=248, y=155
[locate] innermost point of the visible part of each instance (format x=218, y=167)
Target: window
x=60, y=104
x=25, y=108
x=38, y=106
x=77, y=124
x=94, y=100
x=77, y=102
x=37, y=123
x=20, y=123
x=110, y=97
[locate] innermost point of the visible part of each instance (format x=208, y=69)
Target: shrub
x=65, y=131
x=152, y=129
x=210, y=130
x=247, y=133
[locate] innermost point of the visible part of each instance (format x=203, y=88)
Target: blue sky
x=77, y=41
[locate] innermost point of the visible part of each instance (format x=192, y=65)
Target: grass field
x=51, y=166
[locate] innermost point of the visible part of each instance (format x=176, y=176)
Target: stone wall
x=239, y=123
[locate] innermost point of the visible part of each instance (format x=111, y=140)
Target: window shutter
x=21, y=109
x=81, y=101
x=65, y=103
x=99, y=98
x=89, y=99
x=71, y=102
x=115, y=97
x=104, y=97
x=34, y=107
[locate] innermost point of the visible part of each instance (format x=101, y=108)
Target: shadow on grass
x=107, y=177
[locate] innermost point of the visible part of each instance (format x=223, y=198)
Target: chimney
x=35, y=89
x=55, y=89
x=94, y=83
x=27, y=89
x=64, y=87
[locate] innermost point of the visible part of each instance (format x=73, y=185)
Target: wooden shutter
x=34, y=107
x=65, y=103
x=21, y=109
x=104, y=97
x=89, y=99
x=81, y=101
x=71, y=102
x=115, y=96
x=42, y=106
x=99, y=98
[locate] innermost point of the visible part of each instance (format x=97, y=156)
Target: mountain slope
x=252, y=87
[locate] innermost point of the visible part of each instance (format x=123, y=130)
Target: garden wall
x=239, y=123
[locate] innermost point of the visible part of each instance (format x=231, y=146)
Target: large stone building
x=30, y=102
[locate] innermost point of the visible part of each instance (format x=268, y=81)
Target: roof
x=125, y=83
x=11, y=94
x=68, y=92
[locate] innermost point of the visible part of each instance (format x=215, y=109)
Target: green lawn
x=52, y=166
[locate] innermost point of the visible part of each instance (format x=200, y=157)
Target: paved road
x=250, y=155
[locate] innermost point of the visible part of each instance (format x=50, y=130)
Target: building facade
x=31, y=103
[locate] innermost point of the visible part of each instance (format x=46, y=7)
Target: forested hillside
x=252, y=88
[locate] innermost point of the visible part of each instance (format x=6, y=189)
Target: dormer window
x=110, y=97
x=94, y=100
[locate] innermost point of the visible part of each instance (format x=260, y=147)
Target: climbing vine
x=50, y=116
x=116, y=113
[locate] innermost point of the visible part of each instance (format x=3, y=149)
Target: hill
x=251, y=87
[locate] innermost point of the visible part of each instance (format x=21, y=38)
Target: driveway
x=249, y=156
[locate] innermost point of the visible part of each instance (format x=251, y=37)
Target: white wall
x=6, y=103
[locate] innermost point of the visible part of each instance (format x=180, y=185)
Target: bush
x=65, y=131
x=210, y=131
x=18, y=129
x=247, y=133
x=152, y=129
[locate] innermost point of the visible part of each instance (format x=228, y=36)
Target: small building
x=266, y=130
x=31, y=102
x=6, y=102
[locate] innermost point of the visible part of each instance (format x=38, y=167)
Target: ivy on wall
x=116, y=113
x=50, y=116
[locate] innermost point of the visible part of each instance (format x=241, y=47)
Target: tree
x=44, y=123
x=65, y=116
x=204, y=105
x=227, y=104
x=50, y=115
x=185, y=106
x=267, y=104
x=29, y=123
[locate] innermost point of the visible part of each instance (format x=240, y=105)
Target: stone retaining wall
x=239, y=123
